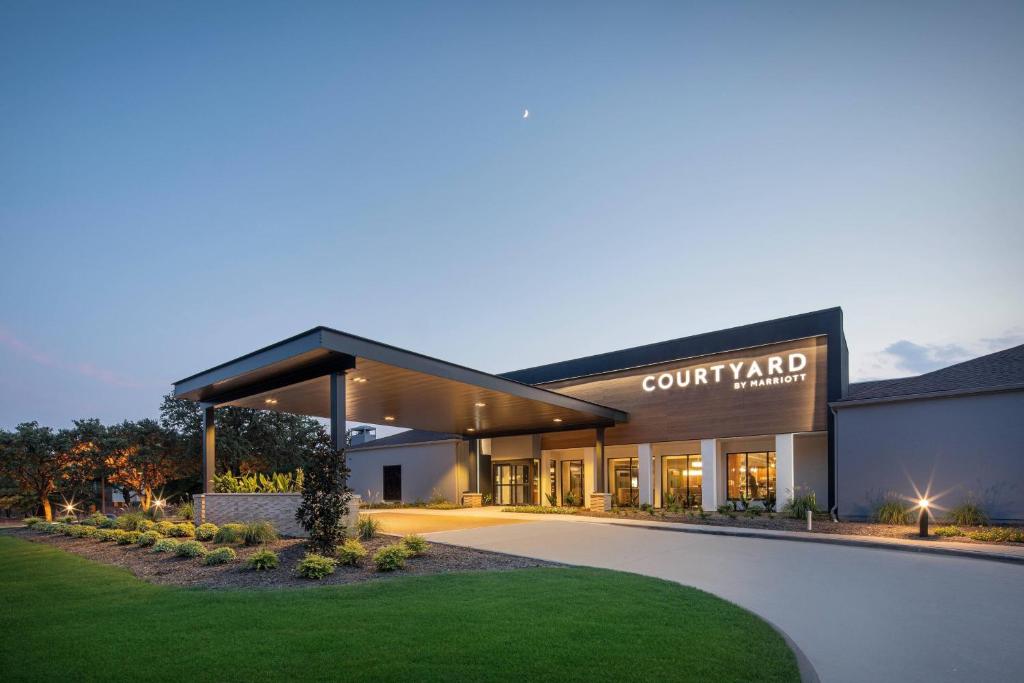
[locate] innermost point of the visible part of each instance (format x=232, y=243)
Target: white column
x=709, y=479
x=785, y=472
x=643, y=479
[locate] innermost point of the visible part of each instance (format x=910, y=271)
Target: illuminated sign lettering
x=777, y=370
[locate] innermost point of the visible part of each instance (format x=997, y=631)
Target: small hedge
x=391, y=557
x=95, y=519
x=82, y=531
x=54, y=528
x=32, y=521
x=67, y=519
x=129, y=538
x=948, y=531
x=104, y=535
x=262, y=560
x=164, y=527
x=414, y=545
x=148, y=539
x=315, y=567
x=367, y=526
x=166, y=545
x=190, y=549
x=146, y=525
x=206, y=532
x=219, y=556
x=351, y=552
x=183, y=530
x=231, y=532
x=999, y=534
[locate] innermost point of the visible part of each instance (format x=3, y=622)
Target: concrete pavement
x=858, y=614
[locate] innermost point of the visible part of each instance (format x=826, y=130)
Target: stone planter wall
x=276, y=508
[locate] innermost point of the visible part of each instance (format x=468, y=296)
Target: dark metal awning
x=382, y=382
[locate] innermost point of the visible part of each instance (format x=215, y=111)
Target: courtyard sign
x=777, y=370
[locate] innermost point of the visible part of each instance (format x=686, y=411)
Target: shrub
x=166, y=545
x=314, y=566
x=968, y=513
x=258, y=533
x=231, y=532
x=95, y=519
x=32, y=521
x=82, y=531
x=55, y=528
x=324, y=496
x=351, y=552
x=164, y=527
x=187, y=510
x=892, y=511
x=262, y=560
x=67, y=519
x=367, y=526
x=108, y=523
x=997, y=535
x=799, y=505
x=391, y=557
x=104, y=535
x=948, y=531
x=154, y=513
x=148, y=538
x=130, y=521
x=220, y=556
x=414, y=545
x=726, y=508
x=66, y=529
x=146, y=525
x=128, y=537
x=183, y=530
x=190, y=549
x=542, y=510
x=206, y=532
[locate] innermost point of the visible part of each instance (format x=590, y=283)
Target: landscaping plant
x=325, y=497
x=391, y=557
x=206, y=532
x=542, y=510
x=315, y=566
x=95, y=519
x=104, y=535
x=148, y=539
x=232, y=532
x=892, y=511
x=351, y=552
x=799, y=505
x=367, y=526
x=183, y=530
x=415, y=545
x=220, y=556
x=166, y=545
x=129, y=537
x=190, y=549
x=948, y=531
x=968, y=513
x=164, y=527
x=187, y=510
x=130, y=521
x=32, y=521
x=258, y=533
x=262, y=560
x=997, y=535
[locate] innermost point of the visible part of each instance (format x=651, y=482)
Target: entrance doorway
x=572, y=483
x=393, y=482
x=624, y=476
x=513, y=483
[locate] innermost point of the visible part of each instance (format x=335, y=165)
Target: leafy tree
x=248, y=440
x=325, y=497
x=142, y=456
x=87, y=445
x=35, y=457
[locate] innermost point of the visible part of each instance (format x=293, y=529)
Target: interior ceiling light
x=270, y=401
x=470, y=429
x=361, y=380
x=557, y=419
x=389, y=418
x=480, y=405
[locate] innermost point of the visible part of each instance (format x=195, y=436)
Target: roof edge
x=951, y=393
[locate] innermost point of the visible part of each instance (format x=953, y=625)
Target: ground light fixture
x=922, y=520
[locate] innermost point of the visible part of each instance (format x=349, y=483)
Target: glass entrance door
x=511, y=484
x=624, y=474
x=682, y=476
x=572, y=482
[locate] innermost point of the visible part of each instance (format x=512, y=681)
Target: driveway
x=858, y=614
x=419, y=521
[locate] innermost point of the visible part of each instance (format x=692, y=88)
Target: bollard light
x=810, y=518
x=922, y=520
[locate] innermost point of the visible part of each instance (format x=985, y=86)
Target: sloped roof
x=403, y=438
x=995, y=371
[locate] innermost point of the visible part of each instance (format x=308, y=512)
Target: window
x=553, y=481
x=572, y=482
x=682, y=476
x=511, y=484
x=623, y=480
x=751, y=476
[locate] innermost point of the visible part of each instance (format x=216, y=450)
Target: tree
x=86, y=443
x=142, y=457
x=35, y=457
x=325, y=497
x=248, y=440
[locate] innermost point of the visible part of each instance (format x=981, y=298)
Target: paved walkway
x=416, y=521
x=857, y=613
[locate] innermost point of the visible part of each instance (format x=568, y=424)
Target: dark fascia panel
x=825, y=322
x=348, y=345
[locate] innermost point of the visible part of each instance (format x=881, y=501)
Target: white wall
x=425, y=468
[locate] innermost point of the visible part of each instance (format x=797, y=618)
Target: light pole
x=922, y=520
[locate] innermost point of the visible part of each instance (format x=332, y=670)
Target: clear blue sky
x=181, y=183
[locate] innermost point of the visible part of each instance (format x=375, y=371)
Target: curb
x=836, y=539
x=808, y=674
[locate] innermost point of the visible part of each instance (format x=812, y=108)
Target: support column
x=209, y=447
x=709, y=478
x=644, y=476
x=474, y=465
x=337, y=380
x=785, y=470
x=600, y=500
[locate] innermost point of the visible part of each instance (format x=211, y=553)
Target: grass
x=477, y=626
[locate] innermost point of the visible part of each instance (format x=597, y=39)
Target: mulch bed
x=165, y=568
x=822, y=524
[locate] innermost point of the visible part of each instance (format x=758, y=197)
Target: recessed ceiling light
x=361, y=380
x=480, y=405
x=557, y=419
x=389, y=418
x=270, y=401
x=470, y=429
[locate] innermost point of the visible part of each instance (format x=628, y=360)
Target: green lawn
x=66, y=618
